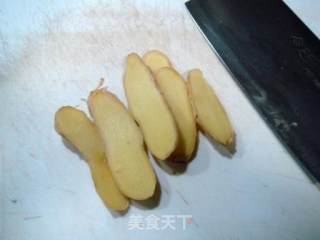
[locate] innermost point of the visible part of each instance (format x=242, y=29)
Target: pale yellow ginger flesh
x=210, y=113
x=174, y=89
x=149, y=108
x=78, y=129
x=123, y=143
x=156, y=60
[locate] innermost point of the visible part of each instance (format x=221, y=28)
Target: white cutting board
x=52, y=53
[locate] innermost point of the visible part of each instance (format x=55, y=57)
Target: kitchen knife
x=275, y=59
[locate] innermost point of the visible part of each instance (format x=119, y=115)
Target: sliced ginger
x=77, y=128
x=156, y=60
x=123, y=144
x=149, y=108
x=174, y=90
x=210, y=113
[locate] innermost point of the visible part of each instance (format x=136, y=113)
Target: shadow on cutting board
x=178, y=166
x=226, y=151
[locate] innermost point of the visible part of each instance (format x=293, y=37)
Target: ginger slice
x=123, y=143
x=174, y=89
x=149, y=108
x=79, y=130
x=210, y=113
x=156, y=60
